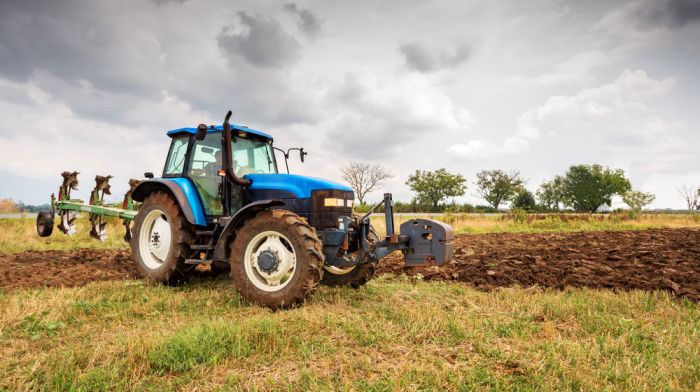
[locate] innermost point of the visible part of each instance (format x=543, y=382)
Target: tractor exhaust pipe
x=231, y=177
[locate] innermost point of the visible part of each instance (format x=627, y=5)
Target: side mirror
x=201, y=132
x=301, y=154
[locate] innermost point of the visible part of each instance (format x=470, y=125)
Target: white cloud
x=616, y=110
x=369, y=115
x=480, y=149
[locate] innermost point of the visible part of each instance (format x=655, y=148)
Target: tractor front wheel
x=161, y=239
x=276, y=259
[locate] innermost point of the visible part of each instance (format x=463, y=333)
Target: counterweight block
x=430, y=242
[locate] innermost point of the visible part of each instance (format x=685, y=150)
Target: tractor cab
x=201, y=161
x=197, y=159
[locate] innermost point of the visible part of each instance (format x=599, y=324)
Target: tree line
x=582, y=188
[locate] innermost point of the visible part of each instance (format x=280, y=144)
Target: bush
x=517, y=215
x=525, y=200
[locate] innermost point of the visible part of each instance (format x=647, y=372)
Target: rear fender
x=228, y=233
x=182, y=190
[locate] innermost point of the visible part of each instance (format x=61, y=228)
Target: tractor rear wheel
x=355, y=276
x=276, y=259
x=161, y=239
x=44, y=223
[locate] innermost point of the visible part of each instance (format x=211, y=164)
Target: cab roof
x=217, y=128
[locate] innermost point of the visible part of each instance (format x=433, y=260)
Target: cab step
x=197, y=261
x=202, y=247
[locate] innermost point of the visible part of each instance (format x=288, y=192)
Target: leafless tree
x=364, y=177
x=691, y=195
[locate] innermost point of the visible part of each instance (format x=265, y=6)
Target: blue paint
x=300, y=186
x=192, y=198
x=217, y=128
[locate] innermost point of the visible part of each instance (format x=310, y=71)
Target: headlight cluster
x=336, y=202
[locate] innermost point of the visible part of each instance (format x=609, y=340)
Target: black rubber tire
x=173, y=271
x=307, y=248
x=359, y=275
x=44, y=223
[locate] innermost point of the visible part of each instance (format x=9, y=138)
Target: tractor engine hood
x=299, y=186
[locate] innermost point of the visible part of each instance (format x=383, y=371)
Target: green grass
x=394, y=334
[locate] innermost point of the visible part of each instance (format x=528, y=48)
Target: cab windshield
x=249, y=156
x=252, y=156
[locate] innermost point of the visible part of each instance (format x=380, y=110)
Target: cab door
x=202, y=169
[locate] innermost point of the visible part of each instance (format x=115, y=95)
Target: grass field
x=394, y=334
x=18, y=235
x=397, y=333
x=549, y=223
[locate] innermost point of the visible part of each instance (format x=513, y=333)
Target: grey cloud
x=673, y=13
x=262, y=42
x=684, y=11
x=162, y=2
x=308, y=22
x=69, y=46
x=104, y=72
x=423, y=59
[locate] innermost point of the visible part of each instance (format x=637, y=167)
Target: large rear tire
x=161, y=240
x=276, y=259
x=356, y=276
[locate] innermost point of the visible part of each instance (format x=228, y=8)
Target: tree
x=549, y=194
x=497, y=186
x=432, y=187
x=525, y=200
x=691, y=196
x=363, y=177
x=637, y=200
x=588, y=187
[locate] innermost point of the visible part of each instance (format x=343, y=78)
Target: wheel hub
x=268, y=261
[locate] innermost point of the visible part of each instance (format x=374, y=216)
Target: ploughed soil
x=662, y=259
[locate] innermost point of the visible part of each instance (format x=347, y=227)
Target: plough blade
x=101, y=189
x=67, y=222
x=128, y=204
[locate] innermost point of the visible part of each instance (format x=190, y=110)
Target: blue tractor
x=222, y=202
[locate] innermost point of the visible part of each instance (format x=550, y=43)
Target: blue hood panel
x=300, y=186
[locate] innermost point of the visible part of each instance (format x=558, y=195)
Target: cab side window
x=176, y=157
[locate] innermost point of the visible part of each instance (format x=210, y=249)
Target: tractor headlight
x=336, y=202
x=333, y=202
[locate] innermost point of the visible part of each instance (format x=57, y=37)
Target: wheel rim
x=270, y=261
x=155, y=239
x=339, y=271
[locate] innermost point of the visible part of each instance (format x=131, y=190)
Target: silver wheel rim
x=270, y=261
x=155, y=239
x=339, y=271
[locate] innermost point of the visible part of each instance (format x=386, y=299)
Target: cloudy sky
x=532, y=86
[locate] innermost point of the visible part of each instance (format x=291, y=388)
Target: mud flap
x=430, y=242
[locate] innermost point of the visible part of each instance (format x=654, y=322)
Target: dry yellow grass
x=500, y=223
